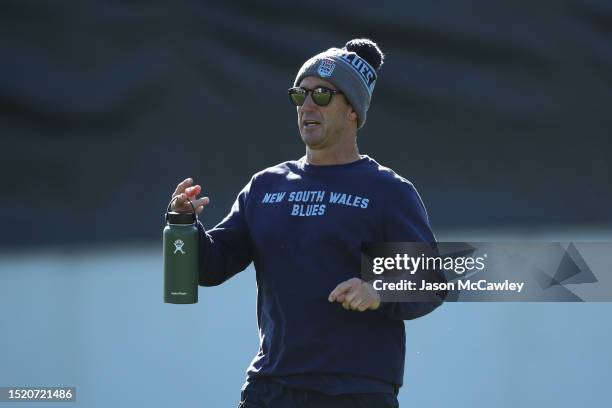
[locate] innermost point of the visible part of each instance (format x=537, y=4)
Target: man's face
x=331, y=122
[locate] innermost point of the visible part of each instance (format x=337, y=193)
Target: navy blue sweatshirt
x=302, y=226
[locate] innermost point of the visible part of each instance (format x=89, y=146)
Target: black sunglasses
x=321, y=96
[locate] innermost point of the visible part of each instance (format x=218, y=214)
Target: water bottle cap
x=180, y=218
x=173, y=217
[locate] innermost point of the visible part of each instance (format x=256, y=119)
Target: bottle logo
x=178, y=246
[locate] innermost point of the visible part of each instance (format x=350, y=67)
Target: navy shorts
x=265, y=393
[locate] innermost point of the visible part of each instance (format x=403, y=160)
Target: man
x=325, y=338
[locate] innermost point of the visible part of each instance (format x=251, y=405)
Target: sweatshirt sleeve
x=226, y=249
x=406, y=220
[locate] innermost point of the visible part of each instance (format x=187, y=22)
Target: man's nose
x=308, y=104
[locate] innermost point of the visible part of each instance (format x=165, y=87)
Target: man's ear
x=352, y=115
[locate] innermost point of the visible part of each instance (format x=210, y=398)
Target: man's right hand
x=186, y=191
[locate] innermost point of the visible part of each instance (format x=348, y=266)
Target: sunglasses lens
x=321, y=96
x=297, y=96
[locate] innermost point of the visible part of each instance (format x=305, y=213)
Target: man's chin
x=312, y=139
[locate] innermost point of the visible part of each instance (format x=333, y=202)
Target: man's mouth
x=308, y=124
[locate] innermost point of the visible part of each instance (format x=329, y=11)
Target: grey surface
x=94, y=319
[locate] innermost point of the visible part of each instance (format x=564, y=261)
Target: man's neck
x=325, y=157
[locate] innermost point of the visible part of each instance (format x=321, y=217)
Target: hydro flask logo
x=178, y=246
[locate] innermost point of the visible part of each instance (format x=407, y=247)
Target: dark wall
x=499, y=112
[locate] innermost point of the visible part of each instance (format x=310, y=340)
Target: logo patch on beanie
x=326, y=67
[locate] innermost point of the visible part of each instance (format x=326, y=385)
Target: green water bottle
x=180, y=257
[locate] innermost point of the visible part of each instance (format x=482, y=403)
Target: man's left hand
x=355, y=294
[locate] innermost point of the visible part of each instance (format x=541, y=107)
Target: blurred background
x=498, y=112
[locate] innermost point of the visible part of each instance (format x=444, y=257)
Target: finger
x=356, y=302
x=179, y=201
x=193, y=191
x=350, y=300
x=181, y=204
x=339, y=290
x=352, y=295
x=348, y=305
x=180, y=188
x=339, y=293
x=200, y=202
x=365, y=305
